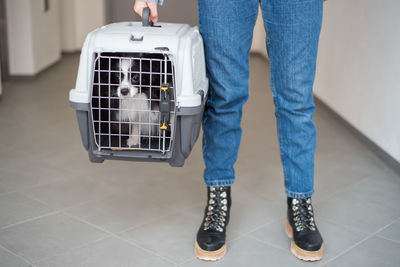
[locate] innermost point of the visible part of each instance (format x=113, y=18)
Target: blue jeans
x=293, y=28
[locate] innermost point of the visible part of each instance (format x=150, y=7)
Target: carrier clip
x=165, y=106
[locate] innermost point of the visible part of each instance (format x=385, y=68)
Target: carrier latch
x=165, y=107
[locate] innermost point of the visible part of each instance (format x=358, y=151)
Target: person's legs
x=227, y=30
x=293, y=28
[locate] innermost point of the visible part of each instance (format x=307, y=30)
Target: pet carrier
x=140, y=92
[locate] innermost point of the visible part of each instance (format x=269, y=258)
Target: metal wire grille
x=126, y=98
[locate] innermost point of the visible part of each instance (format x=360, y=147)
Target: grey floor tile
x=272, y=233
x=70, y=192
x=7, y=259
x=126, y=175
x=392, y=232
x=263, y=181
x=172, y=236
x=171, y=186
x=15, y=207
x=24, y=114
x=14, y=132
x=47, y=236
x=366, y=206
x=119, y=212
x=336, y=238
x=20, y=180
x=246, y=252
x=259, y=139
x=134, y=177
x=333, y=137
x=337, y=172
x=60, y=150
x=108, y=252
x=49, y=143
x=19, y=170
x=4, y=189
x=179, y=193
x=75, y=155
x=250, y=212
x=373, y=252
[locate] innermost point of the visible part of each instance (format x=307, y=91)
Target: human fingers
x=138, y=7
x=153, y=11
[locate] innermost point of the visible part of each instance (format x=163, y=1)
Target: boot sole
x=300, y=253
x=209, y=255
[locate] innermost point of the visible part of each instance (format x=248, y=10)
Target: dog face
x=127, y=74
x=128, y=80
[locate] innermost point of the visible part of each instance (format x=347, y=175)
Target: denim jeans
x=293, y=28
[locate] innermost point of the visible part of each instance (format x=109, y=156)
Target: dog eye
x=136, y=77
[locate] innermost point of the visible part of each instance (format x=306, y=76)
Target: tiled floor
x=57, y=209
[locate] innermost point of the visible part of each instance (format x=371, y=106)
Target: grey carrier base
x=188, y=124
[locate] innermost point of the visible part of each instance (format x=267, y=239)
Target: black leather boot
x=307, y=243
x=210, y=242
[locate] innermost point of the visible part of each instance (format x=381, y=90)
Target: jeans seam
x=279, y=127
x=296, y=193
x=220, y=182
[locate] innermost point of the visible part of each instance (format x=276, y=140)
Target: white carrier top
x=182, y=43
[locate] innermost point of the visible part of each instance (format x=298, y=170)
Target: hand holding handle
x=146, y=18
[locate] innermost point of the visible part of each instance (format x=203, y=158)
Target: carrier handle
x=146, y=17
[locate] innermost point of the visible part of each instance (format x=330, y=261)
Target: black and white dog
x=135, y=105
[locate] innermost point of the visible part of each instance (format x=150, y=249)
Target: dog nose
x=124, y=91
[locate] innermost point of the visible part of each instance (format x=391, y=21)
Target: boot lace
x=303, y=215
x=216, y=210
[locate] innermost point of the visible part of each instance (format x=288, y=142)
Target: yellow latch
x=164, y=127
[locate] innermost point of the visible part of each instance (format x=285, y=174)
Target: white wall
x=19, y=35
x=33, y=36
x=358, y=73
x=46, y=34
x=77, y=19
x=68, y=25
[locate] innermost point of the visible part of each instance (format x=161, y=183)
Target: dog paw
x=132, y=141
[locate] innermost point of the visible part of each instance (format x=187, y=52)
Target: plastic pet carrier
x=140, y=92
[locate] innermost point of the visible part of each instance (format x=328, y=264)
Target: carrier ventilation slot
x=128, y=91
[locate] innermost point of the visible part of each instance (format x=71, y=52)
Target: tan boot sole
x=300, y=253
x=209, y=255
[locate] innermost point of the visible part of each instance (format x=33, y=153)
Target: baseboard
x=379, y=152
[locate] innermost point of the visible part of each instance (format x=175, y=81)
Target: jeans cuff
x=299, y=195
x=225, y=182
